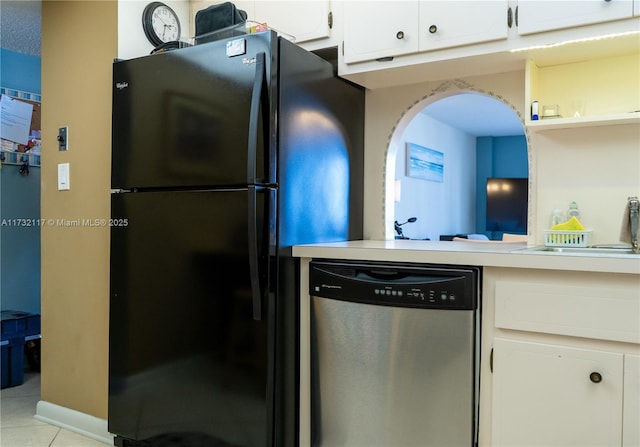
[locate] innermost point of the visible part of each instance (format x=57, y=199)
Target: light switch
x=63, y=176
x=63, y=138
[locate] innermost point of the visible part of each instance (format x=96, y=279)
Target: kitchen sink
x=590, y=251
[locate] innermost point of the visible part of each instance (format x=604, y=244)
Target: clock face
x=160, y=23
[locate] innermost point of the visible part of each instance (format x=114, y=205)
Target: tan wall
x=79, y=43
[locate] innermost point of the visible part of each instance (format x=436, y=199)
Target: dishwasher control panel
x=403, y=285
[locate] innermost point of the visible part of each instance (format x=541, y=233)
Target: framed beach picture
x=424, y=163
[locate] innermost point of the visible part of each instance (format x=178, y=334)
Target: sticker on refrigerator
x=236, y=47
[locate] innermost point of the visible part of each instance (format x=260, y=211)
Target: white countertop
x=489, y=254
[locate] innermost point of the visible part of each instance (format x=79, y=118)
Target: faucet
x=634, y=206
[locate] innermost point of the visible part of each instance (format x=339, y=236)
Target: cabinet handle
x=433, y=29
x=509, y=17
x=400, y=35
x=595, y=377
x=491, y=360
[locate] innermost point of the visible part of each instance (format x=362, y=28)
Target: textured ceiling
x=20, y=26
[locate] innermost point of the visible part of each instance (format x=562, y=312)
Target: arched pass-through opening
x=459, y=135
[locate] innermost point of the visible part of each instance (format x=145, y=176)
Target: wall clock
x=160, y=23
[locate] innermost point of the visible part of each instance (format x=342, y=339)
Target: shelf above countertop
x=586, y=121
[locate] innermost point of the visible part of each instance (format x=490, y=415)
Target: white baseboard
x=73, y=420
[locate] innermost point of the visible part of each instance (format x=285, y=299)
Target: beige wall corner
x=79, y=43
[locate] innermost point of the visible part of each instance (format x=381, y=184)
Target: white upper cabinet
x=380, y=29
x=534, y=16
x=383, y=29
x=446, y=24
x=303, y=20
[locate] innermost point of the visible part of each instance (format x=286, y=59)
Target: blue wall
x=19, y=199
x=20, y=71
x=497, y=157
x=19, y=244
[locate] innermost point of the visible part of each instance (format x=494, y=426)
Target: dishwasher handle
x=396, y=276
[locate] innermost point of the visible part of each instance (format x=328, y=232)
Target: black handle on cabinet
x=509, y=17
x=595, y=377
x=400, y=35
x=433, y=29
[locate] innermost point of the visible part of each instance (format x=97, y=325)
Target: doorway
x=442, y=153
x=443, y=150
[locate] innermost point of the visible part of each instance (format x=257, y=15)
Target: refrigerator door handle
x=254, y=267
x=259, y=99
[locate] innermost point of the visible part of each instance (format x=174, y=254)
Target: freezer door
x=188, y=361
x=193, y=116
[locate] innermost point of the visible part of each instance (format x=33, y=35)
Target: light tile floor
x=18, y=428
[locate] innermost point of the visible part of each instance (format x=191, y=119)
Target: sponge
x=572, y=224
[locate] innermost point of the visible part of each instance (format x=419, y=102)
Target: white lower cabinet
x=631, y=413
x=547, y=395
x=561, y=360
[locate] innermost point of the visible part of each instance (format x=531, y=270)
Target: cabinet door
x=631, y=423
x=547, y=395
x=304, y=21
x=446, y=24
x=535, y=16
x=379, y=29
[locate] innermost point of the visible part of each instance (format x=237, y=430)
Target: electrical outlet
x=63, y=138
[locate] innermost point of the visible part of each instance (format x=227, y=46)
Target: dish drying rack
x=567, y=238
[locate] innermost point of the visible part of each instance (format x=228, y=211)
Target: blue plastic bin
x=16, y=327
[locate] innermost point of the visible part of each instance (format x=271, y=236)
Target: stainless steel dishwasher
x=394, y=354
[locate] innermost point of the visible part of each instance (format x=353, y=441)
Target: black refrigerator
x=224, y=155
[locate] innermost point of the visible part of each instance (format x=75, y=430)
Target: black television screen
x=507, y=204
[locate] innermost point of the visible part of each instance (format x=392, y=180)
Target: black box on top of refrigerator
x=224, y=155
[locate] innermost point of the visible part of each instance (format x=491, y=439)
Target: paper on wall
x=15, y=119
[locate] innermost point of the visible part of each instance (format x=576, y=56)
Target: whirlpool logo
x=248, y=60
x=122, y=85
